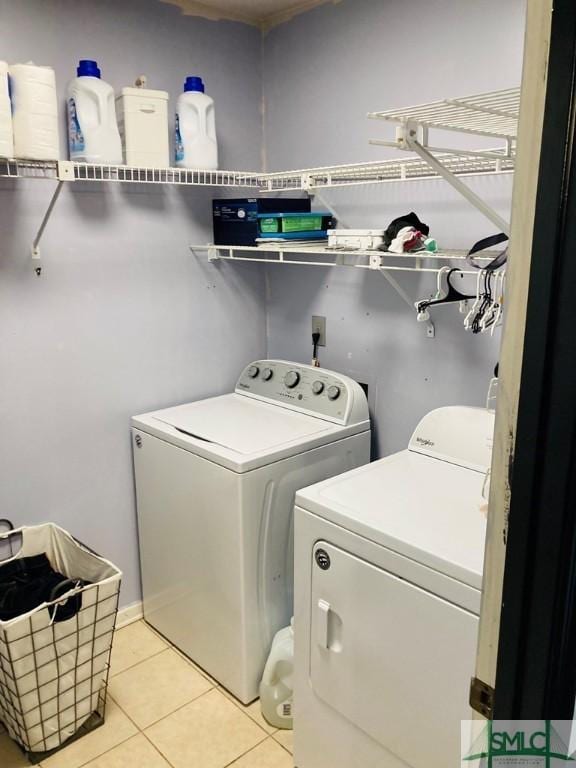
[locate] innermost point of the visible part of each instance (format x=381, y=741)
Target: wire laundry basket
x=54, y=660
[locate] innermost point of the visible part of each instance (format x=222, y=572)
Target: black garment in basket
x=26, y=583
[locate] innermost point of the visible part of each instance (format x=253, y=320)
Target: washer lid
x=242, y=425
x=239, y=432
x=421, y=507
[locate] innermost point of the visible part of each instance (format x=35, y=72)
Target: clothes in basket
x=26, y=583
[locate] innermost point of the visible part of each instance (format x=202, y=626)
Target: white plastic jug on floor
x=6, y=136
x=276, y=688
x=195, y=141
x=34, y=112
x=93, y=135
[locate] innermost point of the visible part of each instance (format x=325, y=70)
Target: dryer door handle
x=323, y=624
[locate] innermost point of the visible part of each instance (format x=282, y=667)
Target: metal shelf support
x=493, y=114
x=65, y=172
x=460, y=187
x=35, y=250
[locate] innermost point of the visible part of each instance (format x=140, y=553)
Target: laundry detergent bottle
x=93, y=135
x=276, y=688
x=195, y=141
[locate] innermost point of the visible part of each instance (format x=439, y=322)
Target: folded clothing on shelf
x=405, y=233
x=408, y=239
x=26, y=583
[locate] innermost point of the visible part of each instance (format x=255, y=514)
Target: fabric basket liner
x=53, y=673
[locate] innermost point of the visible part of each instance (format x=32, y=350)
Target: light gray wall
x=323, y=72
x=124, y=319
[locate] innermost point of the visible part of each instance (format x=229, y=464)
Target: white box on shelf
x=356, y=239
x=143, y=124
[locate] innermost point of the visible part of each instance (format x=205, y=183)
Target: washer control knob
x=253, y=371
x=291, y=379
x=267, y=374
x=318, y=387
x=333, y=392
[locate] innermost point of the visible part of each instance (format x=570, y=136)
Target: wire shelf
x=178, y=176
x=64, y=170
x=395, y=170
x=31, y=169
x=494, y=113
x=299, y=180
x=313, y=255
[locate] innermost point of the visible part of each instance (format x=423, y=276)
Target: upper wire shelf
x=385, y=171
x=494, y=113
x=63, y=170
x=356, y=174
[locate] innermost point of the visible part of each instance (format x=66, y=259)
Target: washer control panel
x=314, y=390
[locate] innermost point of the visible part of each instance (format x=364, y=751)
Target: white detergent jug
x=195, y=143
x=34, y=112
x=276, y=688
x=6, y=135
x=93, y=135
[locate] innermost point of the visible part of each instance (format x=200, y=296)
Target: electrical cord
x=315, y=342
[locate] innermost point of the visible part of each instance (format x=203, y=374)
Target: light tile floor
x=164, y=712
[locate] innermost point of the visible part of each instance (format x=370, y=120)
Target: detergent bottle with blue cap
x=93, y=135
x=195, y=140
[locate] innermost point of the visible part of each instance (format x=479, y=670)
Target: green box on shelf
x=295, y=225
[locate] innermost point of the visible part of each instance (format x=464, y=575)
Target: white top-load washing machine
x=215, y=485
x=387, y=599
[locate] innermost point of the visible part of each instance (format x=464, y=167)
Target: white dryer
x=215, y=485
x=387, y=599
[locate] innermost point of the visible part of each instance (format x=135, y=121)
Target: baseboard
x=129, y=614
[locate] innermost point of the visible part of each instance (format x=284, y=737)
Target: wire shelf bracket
x=493, y=114
x=65, y=172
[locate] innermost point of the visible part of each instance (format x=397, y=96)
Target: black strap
x=6, y=528
x=73, y=605
x=5, y=523
x=489, y=242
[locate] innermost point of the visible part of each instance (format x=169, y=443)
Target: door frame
x=527, y=640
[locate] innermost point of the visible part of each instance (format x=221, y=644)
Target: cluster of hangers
x=483, y=309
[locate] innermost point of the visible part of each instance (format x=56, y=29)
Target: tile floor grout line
x=227, y=765
x=177, y=650
x=115, y=674
x=162, y=755
x=139, y=731
x=174, y=711
x=214, y=688
x=96, y=757
x=282, y=745
x=195, y=666
x=242, y=707
x=184, y=656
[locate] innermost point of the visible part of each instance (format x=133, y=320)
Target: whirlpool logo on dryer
x=425, y=441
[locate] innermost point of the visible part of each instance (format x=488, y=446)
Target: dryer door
x=393, y=659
